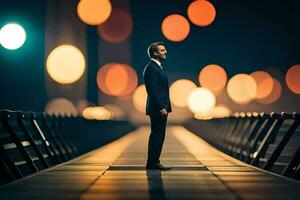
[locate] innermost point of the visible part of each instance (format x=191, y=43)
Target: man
x=158, y=103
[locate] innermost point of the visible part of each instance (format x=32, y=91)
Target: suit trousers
x=157, y=137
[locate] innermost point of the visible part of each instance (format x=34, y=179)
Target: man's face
x=161, y=53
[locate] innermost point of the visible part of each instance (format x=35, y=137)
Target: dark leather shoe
x=157, y=166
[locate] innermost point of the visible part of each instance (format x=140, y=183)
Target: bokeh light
x=139, y=98
x=204, y=116
x=201, y=101
x=242, y=114
x=60, y=106
x=116, y=111
x=94, y=12
x=12, y=36
x=118, y=27
x=201, y=12
x=117, y=79
x=97, y=113
x=180, y=91
x=65, y=64
x=242, y=88
x=264, y=83
x=292, y=79
x=175, y=27
x=275, y=94
x=213, y=77
x=221, y=111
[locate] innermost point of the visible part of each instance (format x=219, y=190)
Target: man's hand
x=164, y=112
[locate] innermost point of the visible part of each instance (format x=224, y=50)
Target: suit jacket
x=157, y=87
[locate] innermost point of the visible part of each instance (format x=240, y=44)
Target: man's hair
x=153, y=48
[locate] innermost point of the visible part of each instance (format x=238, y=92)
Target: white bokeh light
x=201, y=101
x=12, y=36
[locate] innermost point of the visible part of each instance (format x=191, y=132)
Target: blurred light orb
x=236, y=114
x=139, y=98
x=201, y=101
x=180, y=90
x=202, y=116
x=213, y=77
x=264, y=83
x=292, y=79
x=60, y=106
x=242, y=114
x=117, y=79
x=116, y=111
x=201, y=12
x=275, y=94
x=118, y=27
x=175, y=27
x=221, y=111
x=12, y=36
x=242, y=88
x=248, y=114
x=65, y=64
x=96, y=113
x=94, y=12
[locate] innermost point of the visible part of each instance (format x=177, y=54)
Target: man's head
x=157, y=51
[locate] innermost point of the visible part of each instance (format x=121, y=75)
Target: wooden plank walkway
x=117, y=171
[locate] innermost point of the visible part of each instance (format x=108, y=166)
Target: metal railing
x=30, y=141
x=269, y=141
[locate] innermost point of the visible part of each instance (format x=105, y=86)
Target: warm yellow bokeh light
x=117, y=79
x=201, y=12
x=139, y=98
x=65, y=64
x=213, y=77
x=116, y=111
x=180, y=91
x=94, y=12
x=242, y=88
x=118, y=27
x=264, y=83
x=221, y=111
x=61, y=106
x=202, y=116
x=275, y=94
x=292, y=79
x=175, y=27
x=201, y=101
x=242, y=114
x=236, y=114
x=97, y=112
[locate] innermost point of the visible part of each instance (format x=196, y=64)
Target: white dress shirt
x=157, y=62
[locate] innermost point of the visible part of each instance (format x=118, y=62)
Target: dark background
x=245, y=36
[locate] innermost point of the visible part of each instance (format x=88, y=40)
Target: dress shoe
x=157, y=166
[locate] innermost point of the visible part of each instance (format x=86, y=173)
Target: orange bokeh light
x=118, y=27
x=117, y=79
x=213, y=77
x=264, y=83
x=274, y=95
x=292, y=79
x=201, y=12
x=94, y=12
x=175, y=27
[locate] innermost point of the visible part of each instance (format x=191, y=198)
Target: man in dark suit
x=158, y=103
